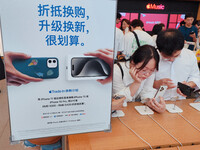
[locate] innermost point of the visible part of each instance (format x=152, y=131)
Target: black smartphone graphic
x=89, y=67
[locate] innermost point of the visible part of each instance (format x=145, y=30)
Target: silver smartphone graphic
x=89, y=67
x=161, y=91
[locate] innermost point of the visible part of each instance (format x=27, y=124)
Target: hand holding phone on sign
x=107, y=56
x=15, y=77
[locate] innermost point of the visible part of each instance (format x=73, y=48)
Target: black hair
x=137, y=23
x=182, y=23
x=127, y=21
x=144, y=54
x=189, y=15
x=156, y=29
x=118, y=16
x=196, y=22
x=162, y=24
x=169, y=41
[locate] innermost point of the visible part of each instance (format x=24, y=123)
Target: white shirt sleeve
x=194, y=74
x=118, y=85
x=121, y=46
x=148, y=91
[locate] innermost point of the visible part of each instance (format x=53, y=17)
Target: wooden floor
x=4, y=122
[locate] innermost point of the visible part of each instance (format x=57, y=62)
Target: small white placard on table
x=144, y=110
x=118, y=113
x=173, y=109
x=195, y=105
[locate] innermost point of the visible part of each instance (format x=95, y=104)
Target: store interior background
x=171, y=16
x=169, y=12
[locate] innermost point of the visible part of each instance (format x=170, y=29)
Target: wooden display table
x=122, y=138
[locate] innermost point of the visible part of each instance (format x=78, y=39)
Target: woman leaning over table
x=134, y=78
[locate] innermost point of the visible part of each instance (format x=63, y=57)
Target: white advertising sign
x=55, y=89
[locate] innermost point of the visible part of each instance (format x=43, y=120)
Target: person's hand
x=179, y=91
x=107, y=56
x=159, y=107
x=192, y=35
x=120, y=56
x=118, y=104
x=15, y=77
x=165, y=81
x=134, y=74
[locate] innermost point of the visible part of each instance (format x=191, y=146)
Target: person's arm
x=165, y=81
x=15, y=77
x=148, y=93
x=120, y=88
x=118, y=104
x=193, y=36
x=194, y=76
x=159, y=107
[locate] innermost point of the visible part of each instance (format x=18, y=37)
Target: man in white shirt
x=177, y=64
x=143, y=37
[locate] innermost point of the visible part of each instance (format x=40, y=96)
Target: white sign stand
x=173, y=108
x=144, y=110
x=118, y=113
x=195, y=105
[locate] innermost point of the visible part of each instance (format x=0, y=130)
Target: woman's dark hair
x=144, y=54
x=162, y=25
x=128, y=22
x=118, y=16
x=137, y=23
x=169, y=41
x=156, y=29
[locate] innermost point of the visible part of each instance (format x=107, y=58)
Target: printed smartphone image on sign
x=89, y=67
x=43, y=67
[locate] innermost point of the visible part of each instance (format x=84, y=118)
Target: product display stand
x=144, y=110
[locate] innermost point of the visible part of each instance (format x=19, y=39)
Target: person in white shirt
x=119, y=42
x=128, y=37
x=177, y=64
x=135, y=77
x=143, y=37
x=156, y=29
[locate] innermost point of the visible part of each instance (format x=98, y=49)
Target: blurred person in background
x=119, y=38
x=189, y=31
x=128, y=37
x=156, y=29
x=140, y=37
x=197, y=25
